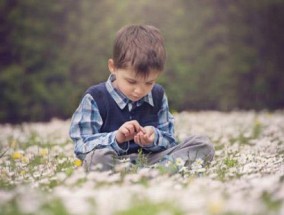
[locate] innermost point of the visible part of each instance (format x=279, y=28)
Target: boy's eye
x=131, y=82
x=149, y=83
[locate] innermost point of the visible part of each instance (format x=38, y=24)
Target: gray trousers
x=191, y=149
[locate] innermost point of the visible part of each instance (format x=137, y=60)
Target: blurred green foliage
x=222, y=54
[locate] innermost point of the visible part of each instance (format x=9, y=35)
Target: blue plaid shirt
x=86, y=123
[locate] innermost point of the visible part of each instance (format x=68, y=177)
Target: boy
x=129, y=112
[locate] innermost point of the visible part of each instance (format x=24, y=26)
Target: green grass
x=149, y=208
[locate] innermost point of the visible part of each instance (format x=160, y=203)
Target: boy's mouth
x=135, y=98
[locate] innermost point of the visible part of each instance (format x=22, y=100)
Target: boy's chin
x=134, y=99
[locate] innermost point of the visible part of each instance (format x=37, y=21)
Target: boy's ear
x=111, y=66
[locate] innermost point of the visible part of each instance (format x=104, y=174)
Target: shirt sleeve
x=164, y=132
x=85, y=126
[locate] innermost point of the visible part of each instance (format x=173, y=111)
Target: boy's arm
x=164, y=133
x=85, y=126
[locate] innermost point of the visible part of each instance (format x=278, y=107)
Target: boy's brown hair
x=140, y=47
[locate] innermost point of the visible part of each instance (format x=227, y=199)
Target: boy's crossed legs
x=194, y=147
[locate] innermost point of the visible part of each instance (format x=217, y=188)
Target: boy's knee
x=202, y=145
x=104, y=154
x=208, y=148
x=100, y=159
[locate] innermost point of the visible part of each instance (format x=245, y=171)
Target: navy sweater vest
x=113, y=117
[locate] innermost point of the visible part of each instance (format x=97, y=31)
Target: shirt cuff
x=115, y=145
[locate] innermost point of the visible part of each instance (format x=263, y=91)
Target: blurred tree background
x=222, y=54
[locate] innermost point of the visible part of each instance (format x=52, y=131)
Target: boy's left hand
x=145, y=138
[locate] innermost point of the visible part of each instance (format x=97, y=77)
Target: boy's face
x=130, y=84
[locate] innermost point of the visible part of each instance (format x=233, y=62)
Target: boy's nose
x=139, y=91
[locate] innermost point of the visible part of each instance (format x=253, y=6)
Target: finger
x=139, y=141
x=136, y=125
x=131, y=128
x=125, y=131
x=140, y=133
x=150, y=131
x=128, y=126
x=136, y=139
x=143, y=139
x=151, y=137
x=143, y=130
x=143, y=142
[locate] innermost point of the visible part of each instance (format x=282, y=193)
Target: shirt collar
x=121, y=99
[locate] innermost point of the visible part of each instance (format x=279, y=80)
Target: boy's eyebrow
x=130, y=79
x=152, y=80
x=133, y=79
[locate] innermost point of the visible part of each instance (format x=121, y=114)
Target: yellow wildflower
x=216, y=206
x=77, y=163
x=43, y=152
x=25, y=159
x=23, y=172
x=16, y=155
x=13, y=143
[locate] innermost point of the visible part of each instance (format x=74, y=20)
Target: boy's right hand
x=127, y=131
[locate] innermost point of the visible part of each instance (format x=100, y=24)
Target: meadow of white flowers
x=39, y=173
